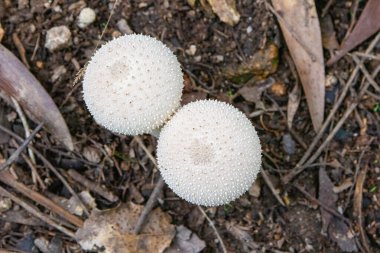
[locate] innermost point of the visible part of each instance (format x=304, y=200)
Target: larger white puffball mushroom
x=133, y=84
x=209, y=153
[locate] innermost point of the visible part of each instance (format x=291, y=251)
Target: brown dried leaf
x=1, y=33
x=327, y=196
x=113, y=230
x=16, y=81
x=253, y=93
x=226, y=11
x=328, y=33
x=241, y=234
x=299, y=23
x=367, y=25
x=342, y=235
x=186, y=241
x=263, y=63
x=293, y=104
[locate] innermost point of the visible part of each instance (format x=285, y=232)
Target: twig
x=358, y=197
x=51, y=167
x=298, y=168
x=34, y=211
x=328, y=209
x=20, y=49
x=146, y=150
x=224, y=250
x=365, y=72
x=25, y=125
x=92, y=186
x=8, y=179
x=18, y=151
x=271, y=187
x=34, y=171
x=149, y=205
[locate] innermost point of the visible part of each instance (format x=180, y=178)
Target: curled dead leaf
x=226, y=11
x=113, y=230
x=16, y=81
x=367, y=25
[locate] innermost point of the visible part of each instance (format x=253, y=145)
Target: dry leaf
x=263, y=63
x=186, y=241
x=113, y=230
x=241, y=234
x=336, y=228
x=328, y=33
x=293, y=104
x=253, y=93
x=327, y=196
x=367, y=25
x=16, y=81
x=226, y=11
x=342, y=235
x=299, y=23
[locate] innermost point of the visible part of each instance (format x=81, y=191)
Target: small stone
x=192, y=50
x=288, y=144
x=5, y=204
x=198, y=58
x=249, y=29
x=218, y=58
x=58, y=72
x=331, y=81
x=123, y=26
x=57, y=38
x=86, y=17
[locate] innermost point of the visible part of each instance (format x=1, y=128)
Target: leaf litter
x=300, y=25
x=113, y=230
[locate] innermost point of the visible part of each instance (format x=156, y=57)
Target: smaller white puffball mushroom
x=86, y=17
x=209, y=153
x=133, y=84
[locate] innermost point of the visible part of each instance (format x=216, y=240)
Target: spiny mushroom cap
x=133, y=84
x=209, y=153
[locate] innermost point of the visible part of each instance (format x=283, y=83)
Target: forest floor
x=332, y=205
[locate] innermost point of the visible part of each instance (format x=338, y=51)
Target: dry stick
x=9, y=180
x=331, y=135
x=34, y=211
x=156, y=191
x=271, y=187
x=358, y=198
x=297, y=169
x=25, y=125
x=146, y=150
x=18, y=151
x=149, y=205
x=93, y=187
x=224, y=250
x=34, y=171
x=328, y=209
x=365, y=72
x=51, y=167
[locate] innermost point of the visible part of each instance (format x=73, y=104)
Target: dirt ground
x=275, y=215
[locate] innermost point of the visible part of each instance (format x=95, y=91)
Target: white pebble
x=57, y=38
x=86, y=17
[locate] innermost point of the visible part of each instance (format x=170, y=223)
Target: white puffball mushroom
x=86, y=17
x=133, y=84
x=209, y=153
